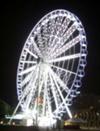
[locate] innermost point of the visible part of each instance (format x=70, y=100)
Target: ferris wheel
x=51, y=65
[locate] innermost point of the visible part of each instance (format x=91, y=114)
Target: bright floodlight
x=46, y=122
x=51, y=66
x=29, y=122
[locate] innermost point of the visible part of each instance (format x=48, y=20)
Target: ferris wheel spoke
x=56, y=44
x=45, y=92
x=37, y=49
x=29, y=62
x=32, y=86
x=32, y=92
x=29, y=97
x=29, y=88
x=41, y=85
x=62, y=84
x=69, y=32
x=27, y=70
x=63, y=99
x=65, y=70
x=53, y=90
x=33, y=78
x=49, y=106
x=31, y=53
x=64, y=58
x=43, y=78
x=66, y=47
x=65, y=23
x=26, y=79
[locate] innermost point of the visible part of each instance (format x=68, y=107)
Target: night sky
x=18, y=19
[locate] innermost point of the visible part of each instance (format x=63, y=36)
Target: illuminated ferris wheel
x=51, y=65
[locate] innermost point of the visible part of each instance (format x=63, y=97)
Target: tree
x=5, y=109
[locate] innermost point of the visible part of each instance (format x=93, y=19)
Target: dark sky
x=18, y=19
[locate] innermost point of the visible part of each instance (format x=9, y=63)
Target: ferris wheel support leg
x=24, y=94
x=15, y=111
x=69, y=112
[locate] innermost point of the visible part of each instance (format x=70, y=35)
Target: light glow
x=29, y=122
x=46, y=122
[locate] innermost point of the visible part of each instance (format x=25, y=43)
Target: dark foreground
x=23, y=128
